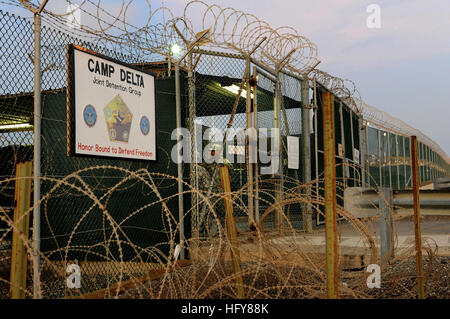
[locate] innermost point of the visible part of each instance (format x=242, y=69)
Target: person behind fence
x=210, y=184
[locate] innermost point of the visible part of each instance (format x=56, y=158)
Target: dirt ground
x=292, y=281
x=397, y=283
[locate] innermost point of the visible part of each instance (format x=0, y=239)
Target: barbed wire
x=383, y=120
x=288, y=266
x=231, y=30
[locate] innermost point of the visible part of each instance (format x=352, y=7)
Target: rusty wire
x=276, y=264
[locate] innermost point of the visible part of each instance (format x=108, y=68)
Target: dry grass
x=275, y=263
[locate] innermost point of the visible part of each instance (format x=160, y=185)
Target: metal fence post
x=341, y=129
x=255, y=125
x=365, y=154
x=306, y=145
x=352, y=132
x=180, y=163
x=250, y=195
x=277, y=124
x=386, y=233
x=316, y=143
x=380, y=160
x=194, y=148
x=37, y=156
x=330, y=195
x=397, y=161
x=389, y=157
x=417, y=229
x=405, y=161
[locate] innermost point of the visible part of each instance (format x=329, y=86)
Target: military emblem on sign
x=89, y=115
x=118, y=120
x=145, y=125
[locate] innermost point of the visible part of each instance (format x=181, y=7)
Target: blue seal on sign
x=90, y=115
x=145, y=125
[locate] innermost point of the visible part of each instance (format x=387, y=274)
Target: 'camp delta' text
x=105, y=69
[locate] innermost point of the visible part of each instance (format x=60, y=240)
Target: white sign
x=356, y=155
x=293, y=152
x=114, y=107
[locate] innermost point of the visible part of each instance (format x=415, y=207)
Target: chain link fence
x=116, y=218
x=388, y=160
x=95, y=212
x=218, y=79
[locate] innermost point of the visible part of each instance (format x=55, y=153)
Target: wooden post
x=231, y=230
x=417, y=230
x=330, y=195
x=19, y=260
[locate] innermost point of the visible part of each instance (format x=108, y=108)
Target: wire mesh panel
x=393, y=163
x=16, y=118
x=265, y=94
x=103, y=214
x=217, y=83
x=291, y=119
x=373, y=161
x=348, y=169
x=392, y=152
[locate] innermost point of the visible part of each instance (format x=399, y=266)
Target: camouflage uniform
x=209, y=187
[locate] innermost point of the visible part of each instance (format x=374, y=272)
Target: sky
x=401, y=68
